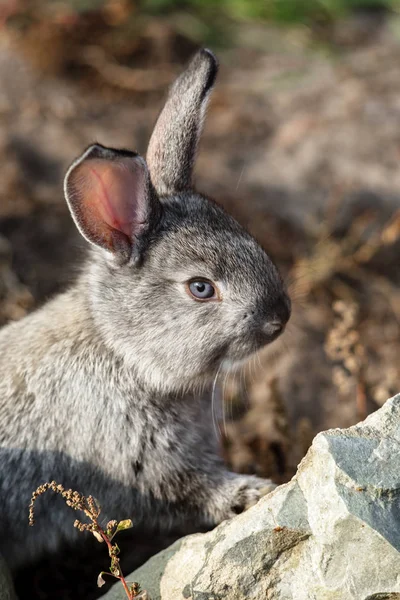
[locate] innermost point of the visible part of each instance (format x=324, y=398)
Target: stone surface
x=332, y=533
x=6, y=586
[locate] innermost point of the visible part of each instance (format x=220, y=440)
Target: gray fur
x=173, y=144
x=99, y=389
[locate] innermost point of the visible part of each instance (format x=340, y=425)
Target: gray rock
x=332, y=533
x=6, y=586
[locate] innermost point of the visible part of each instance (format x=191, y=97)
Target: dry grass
x=91, y=508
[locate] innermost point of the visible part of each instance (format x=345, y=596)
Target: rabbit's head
x=176, y=285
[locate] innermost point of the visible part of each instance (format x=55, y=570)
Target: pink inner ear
x=109, y=199
x=104, y=189
x=113, y=191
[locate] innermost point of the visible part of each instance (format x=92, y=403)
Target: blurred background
x=302, y=145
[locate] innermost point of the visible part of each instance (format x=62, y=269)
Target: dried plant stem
x=91, y=508
x=115, y=562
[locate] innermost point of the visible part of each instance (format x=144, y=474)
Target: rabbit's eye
x=201, y=289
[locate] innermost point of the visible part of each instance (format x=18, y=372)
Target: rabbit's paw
x=247, y=492
x=240, y=493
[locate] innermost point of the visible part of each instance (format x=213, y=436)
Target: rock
x=331, y=533
x=6, y=586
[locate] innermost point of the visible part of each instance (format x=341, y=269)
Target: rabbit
x=100, y=387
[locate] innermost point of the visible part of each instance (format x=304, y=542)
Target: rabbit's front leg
x=234, y=494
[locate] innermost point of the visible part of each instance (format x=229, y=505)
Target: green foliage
x=216, y=22
x=82, y=6
x=289, y=11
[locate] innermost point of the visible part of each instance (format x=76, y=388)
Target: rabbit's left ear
x=111, y=199
x=173, y=144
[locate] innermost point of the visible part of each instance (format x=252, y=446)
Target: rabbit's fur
x=93, y=386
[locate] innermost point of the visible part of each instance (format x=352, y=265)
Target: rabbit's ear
x=173, y=144
x=111, y=199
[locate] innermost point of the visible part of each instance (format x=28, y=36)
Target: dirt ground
x=302, y=145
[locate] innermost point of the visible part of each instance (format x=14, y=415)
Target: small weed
x=91, y=508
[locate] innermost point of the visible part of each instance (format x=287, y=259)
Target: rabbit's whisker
x=216, y=425
x=240, y=179
x=227, y=373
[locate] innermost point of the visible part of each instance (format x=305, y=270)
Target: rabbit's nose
x=273, y=328
x=279, y=315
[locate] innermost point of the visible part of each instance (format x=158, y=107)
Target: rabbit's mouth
x=243, y=349
x=228, y=365
x=238, y=353
x=235, y=363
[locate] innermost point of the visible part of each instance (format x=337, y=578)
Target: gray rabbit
x=100, y=388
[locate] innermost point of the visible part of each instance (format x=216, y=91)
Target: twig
x=91, y=508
